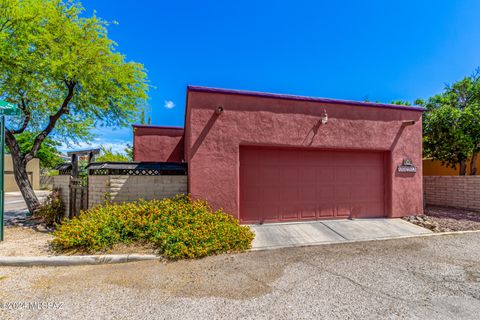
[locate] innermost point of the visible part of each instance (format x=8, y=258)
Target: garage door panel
x=287, y=185
x=251, y=194
x=327, y=210
x=307, y=175
x=307, y=193
x=268, y=175
x=250, y=178
x=343, y=193
x=269, y=214
x=325, y=193
x=287, y=194
x=343, y=175
x=288, y=173
x=270, y=195
x=250, y=212
x=325, y=174
x=309, y=211
x=289, y=212
x=343, y=209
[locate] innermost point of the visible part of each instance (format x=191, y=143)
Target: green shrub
x=52, y=210
x=179, y=227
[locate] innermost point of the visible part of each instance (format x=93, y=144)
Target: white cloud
x=115, y=145
x=169, y=104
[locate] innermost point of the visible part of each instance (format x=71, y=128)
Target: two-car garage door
x=293, y=184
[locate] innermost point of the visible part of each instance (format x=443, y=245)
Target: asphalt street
x=15, y=206
x=436, y=277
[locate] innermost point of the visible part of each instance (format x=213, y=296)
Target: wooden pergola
x=75, y=155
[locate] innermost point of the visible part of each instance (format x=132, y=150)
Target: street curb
x=74, y=260
x=302, y=245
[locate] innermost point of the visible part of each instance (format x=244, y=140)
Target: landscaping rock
x=445, y=219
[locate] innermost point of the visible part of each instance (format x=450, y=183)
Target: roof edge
x=157, y=127
x=302, y=98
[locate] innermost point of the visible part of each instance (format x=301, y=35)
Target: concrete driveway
x=283, y=235
x=434, y=277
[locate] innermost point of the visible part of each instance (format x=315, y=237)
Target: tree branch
x=13, y=144
x=53, y=120
x=27, y=114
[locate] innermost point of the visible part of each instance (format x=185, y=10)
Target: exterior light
x=408, y=122
x=219, y=110
x=324, y=117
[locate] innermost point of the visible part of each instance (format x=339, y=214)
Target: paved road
x=15, y=206
x=418, y=278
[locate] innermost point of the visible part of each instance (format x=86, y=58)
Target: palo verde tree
x=65, y=75
x=451, y=124
x=48, y=153
x=108, y=155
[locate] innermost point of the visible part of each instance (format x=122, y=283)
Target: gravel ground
x=35, y=241
x=442, y=219
x=21, y=241
x=435, y=277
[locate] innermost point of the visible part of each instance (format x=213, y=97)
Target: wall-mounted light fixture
x=324, y=117
x=219, y=110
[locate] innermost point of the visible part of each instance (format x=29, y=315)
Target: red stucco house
x=271, y=157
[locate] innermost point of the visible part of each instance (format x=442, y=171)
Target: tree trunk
x=463, y=167
x=21, y=177
x=473, y=164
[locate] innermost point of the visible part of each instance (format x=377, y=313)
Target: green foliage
x=129, y=151
x=47, y=46
x=48, y=154
x=143, y=118
x=108, y=155
x=401, y=102
x=451, y=125
x=179, y=227
x=52, y=210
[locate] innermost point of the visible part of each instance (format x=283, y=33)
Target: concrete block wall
x=452, y=191
x=125, y=188
x=62, y=183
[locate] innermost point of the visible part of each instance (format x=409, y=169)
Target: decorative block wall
x=62, y=183
x=452, y=191
x=126, y=188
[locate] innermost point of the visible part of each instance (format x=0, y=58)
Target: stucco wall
x=212, y=141
x=124, y=188
x=33, y=171
x=453, y=191
x=157, y=144
x=435, y=168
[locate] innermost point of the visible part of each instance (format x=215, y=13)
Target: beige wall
x=62, y=184
x=452, y=191
x=33, y=170
x=124, y=188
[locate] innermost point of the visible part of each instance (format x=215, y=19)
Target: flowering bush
x=179, y=227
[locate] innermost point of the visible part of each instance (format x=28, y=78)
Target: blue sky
x=380, y=50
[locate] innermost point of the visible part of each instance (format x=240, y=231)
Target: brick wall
x=453, y=191
x=62, y=183
x=124, y=188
